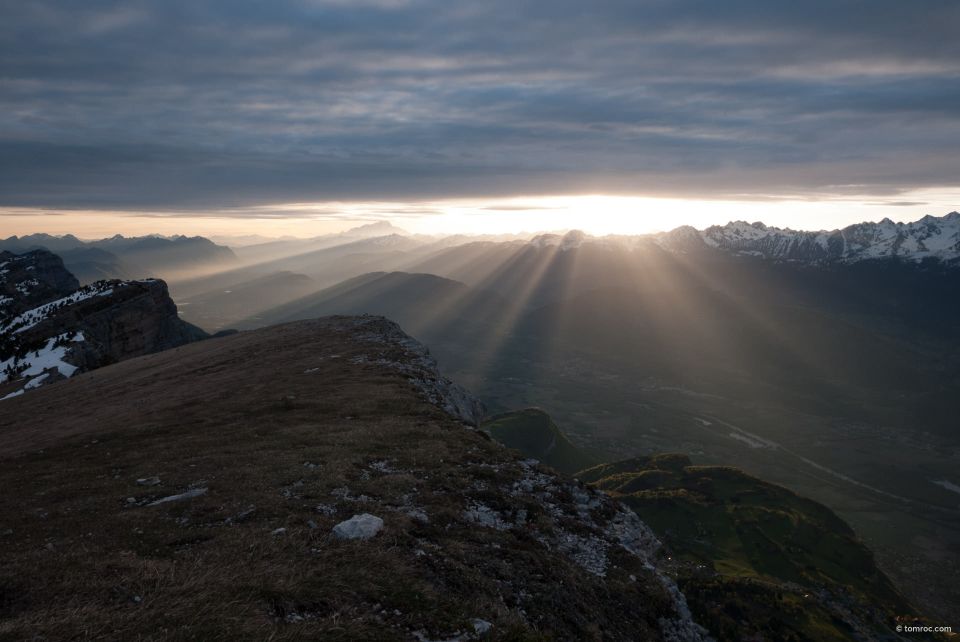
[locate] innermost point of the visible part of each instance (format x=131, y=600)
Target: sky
x=306, y=117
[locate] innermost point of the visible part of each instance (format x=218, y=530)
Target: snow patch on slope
x=32, y=317
x=44, y=361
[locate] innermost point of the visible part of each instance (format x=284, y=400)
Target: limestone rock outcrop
x=51, y=329
x=419, y=366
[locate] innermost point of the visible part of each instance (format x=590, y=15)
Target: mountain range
x=120, y=257
x=929, y=237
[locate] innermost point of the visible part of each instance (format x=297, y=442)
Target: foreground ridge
x=194, y=492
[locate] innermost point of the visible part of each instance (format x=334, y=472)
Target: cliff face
x=130, y=319
x=51, y=330
x=32, y=279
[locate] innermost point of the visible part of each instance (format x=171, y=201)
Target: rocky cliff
x=32, y=279
x=50, y=329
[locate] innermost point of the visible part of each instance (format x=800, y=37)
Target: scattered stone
x=312, y=524
x=137, y=599
x=278, y=531
x=196, y=492
x=149, y=481
x=131, y=500
x=633, y=578
x=326, y=509
x=358, y=527
x=9, y=531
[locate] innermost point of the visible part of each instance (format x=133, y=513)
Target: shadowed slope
x=721, y=525
x=222, y=307
x=790, y=355
x=424, y=304
x=533, y=433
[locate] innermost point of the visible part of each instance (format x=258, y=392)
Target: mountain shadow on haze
x=425, y=305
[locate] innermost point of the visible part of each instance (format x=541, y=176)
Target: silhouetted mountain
x=930, y=237
x=90, y=264
x=173, y=257
x=36, y=241
x=177, y=257
x=274, y=249
x=429, y=306
x=218, y=308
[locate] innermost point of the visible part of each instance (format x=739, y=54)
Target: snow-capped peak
x=931, y=236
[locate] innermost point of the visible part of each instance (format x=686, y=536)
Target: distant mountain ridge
x=127, y=257
x=930, y=237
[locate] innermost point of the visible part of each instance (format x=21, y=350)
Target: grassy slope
x=533, y=433
x=241, y=417
x=743, y=527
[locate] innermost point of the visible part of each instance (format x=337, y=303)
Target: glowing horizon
x=597, y=215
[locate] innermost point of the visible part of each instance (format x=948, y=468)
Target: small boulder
x=480, y=626
x=196, y=492
x=149, y=481
x=358, y=527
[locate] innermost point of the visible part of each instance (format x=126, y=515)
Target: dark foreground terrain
x=276, y=436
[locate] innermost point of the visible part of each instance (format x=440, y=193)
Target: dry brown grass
x=240, y=417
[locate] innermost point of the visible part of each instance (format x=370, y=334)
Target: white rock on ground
x=480, y=626
x=196, y=492
x=358, y=527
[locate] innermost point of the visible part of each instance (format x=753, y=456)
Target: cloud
x=518, y=208
x=230, y=105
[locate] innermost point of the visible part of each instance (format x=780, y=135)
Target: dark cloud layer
x=207, y=105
